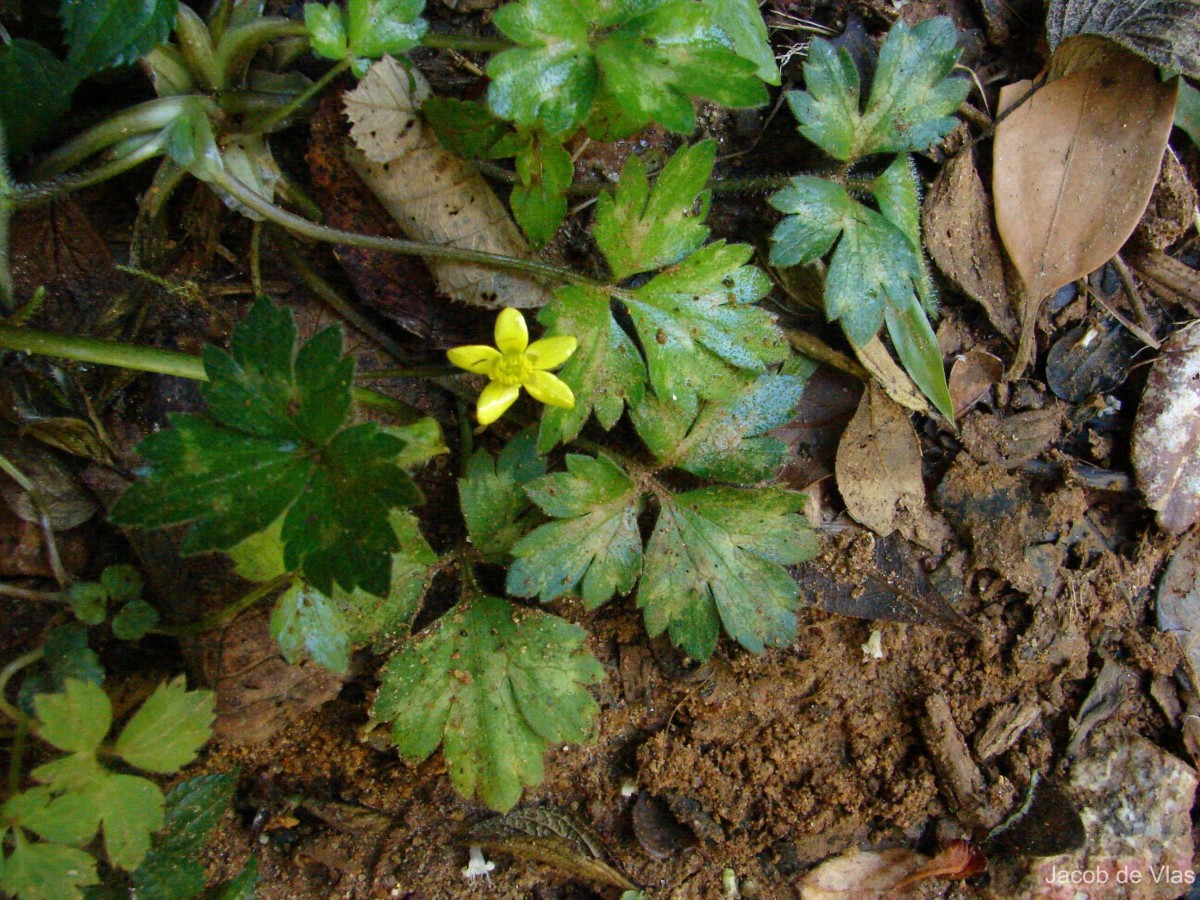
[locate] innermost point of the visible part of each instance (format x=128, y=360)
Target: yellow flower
x=516, y=364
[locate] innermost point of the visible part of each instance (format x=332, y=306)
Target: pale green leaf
x=495, y=685
x=307, y=623
x=168, y=730
x=743, y=22
x=75, y=720
x=818, y=211
x=36, y=871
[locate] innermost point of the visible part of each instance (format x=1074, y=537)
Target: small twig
x=256, y=281
x=1140, y=333
x=1131, y=291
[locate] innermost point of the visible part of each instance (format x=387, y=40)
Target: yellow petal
x=549, y=389
x=474, y=358
x=495, y=399
x=551, y=352
x=512, y=336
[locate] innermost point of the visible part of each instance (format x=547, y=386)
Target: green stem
x=760, y=184
x=8, y=590
x=411, y=372
x=465, y=43
x=16, y=757
x=228, y=613
x=7, y=302
x=150, y=359
x=153, y=115
x=292, y=222
x=265, y=125
x=238, y=45
x=6, y=675
x=28, y=195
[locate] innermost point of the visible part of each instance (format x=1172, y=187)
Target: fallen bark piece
x=436, y=197
x=958, y=775
x=1005, y=728
x=1166, y=433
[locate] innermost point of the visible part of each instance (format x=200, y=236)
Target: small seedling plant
x=318, y=507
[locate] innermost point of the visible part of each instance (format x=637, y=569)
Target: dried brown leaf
x=435, y=196
x=1166, y=433
x=878, y=465
x=860, y=874
x=888, y=375
x=551, y=836
x=956, y=220
x=1074, y=167
x=1166, y=32
x=971, y=377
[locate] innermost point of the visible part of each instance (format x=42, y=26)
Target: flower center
x=512, y=369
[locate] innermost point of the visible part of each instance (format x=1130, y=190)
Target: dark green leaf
x=539, y=201
x=35, y=94
x=1187, y=111
x=101, y=34
x=307, y=623
x=243, y=886
x=122, y=582
x=716, y=558
x=338, y=528
x=272, y=446
x=89, y=602
x=134, y=620
x=596, y=540
x=605, y=373
x=171, y=870
x=68, y=656
x=639, y=229
x=495, y=685
x=466, y=129
x=698, y=318
x=493, y=502
x=818, y=210
x=912, y=97
x=727, y=441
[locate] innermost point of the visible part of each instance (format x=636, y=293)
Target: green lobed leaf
x=658, y=60
x=491, y=495
x=726, y=441
x=594, y=542
x=873, y=267
x=326, y=30
x=75, y=720
x=270, y=446
x=37, y=871
x=630, y=62
x=818, y=210
x=101, y=34
x=604, y=373
x=423, y=440
x=639, y=229
x=135, y=620
x=744, y=24
x=495, y=685
x=62, y=819
x=697, y=319
x=716, y=559
x=912, y=98
x=122, y=582
x=384, y=27
x=131, y=810
x=35, y=94
x=307, y=623
x=168, y=730
x=550, y=78
x=539, y=200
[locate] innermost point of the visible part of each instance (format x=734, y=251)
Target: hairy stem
x=312, y=230
x=7, y=302
x=151, y=359
x=29, y=195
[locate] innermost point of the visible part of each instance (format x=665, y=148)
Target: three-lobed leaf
x=494, y=686
x=912, y=96
x=367, y=30
x=716, y=558
x=594, y=545
x=494, y=503
x=37, y=871
x=168, y=730
x=639, y=229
